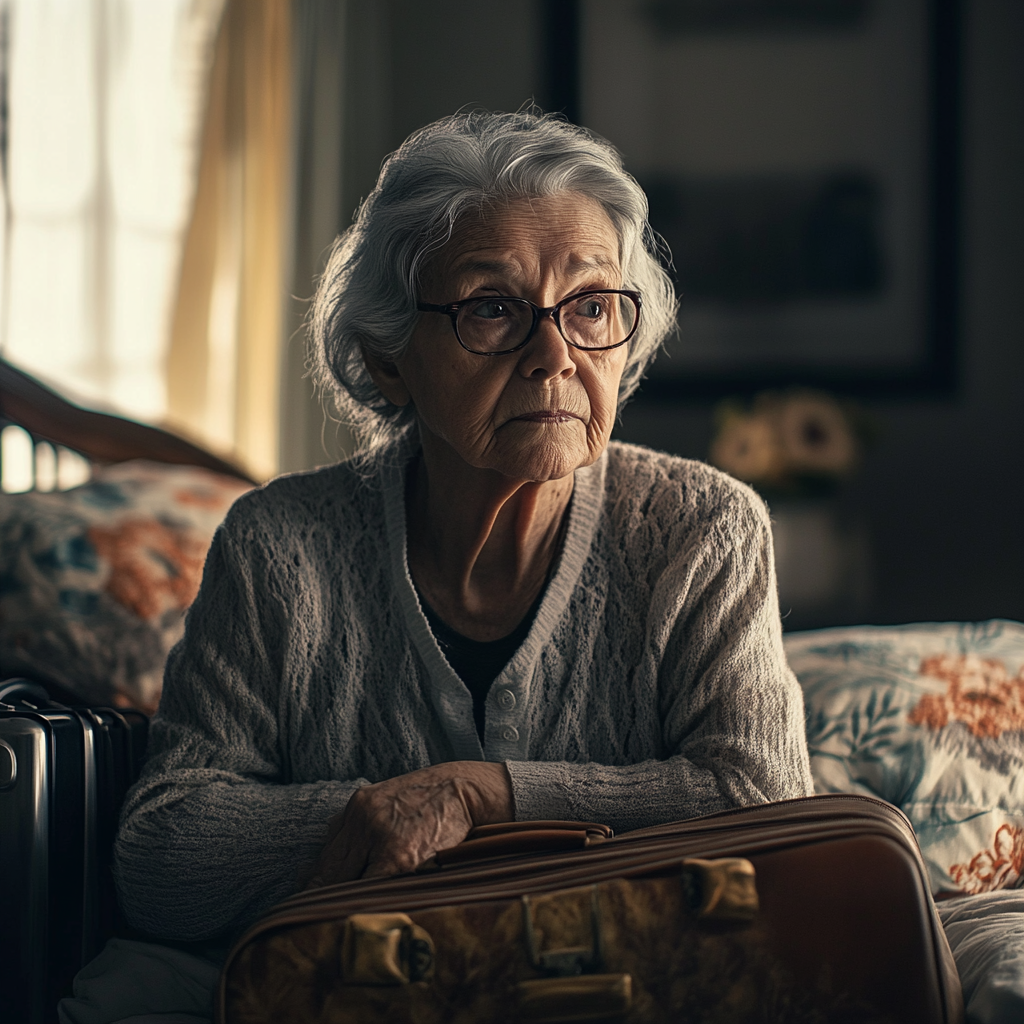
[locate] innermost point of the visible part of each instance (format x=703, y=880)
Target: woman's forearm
x=652, y=792
x=195, y=860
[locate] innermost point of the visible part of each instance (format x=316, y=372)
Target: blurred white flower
x=815, y=435
x=748, y=448
x=793, y=441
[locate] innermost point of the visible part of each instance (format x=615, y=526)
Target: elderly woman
x=493, y=613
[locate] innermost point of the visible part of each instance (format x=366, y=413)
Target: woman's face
x=543, y=411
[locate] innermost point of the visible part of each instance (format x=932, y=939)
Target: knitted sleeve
x=731, y=710
x=213, y=833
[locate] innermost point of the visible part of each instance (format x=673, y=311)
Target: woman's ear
x=388, y=378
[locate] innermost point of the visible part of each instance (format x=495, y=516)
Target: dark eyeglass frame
x=452, y=309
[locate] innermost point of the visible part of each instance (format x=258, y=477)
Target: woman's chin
x=549, y=459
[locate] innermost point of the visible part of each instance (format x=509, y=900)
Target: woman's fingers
x=409, y=822
x=347, y=864
x=345, y=851
x=392, y=827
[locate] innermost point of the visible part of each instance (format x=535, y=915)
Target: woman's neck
x=480, y=544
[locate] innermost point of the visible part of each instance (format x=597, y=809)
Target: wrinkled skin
x=478, y=409
x=501, y=439
x=392, y=827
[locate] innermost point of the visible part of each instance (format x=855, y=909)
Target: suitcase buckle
x=572, y=960
x=385, y=949
x=572, y=990
x=721, y=890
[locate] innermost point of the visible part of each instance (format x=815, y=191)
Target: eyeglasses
x=496, y=325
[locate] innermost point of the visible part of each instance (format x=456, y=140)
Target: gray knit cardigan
x=651, y=687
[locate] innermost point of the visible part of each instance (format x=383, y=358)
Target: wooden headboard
x=98, y=436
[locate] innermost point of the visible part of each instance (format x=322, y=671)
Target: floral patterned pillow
x=931, y=718
x=94, y=581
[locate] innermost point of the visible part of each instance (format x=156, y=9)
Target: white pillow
x=931, y=718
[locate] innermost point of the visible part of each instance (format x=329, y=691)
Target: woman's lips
x=549, y=416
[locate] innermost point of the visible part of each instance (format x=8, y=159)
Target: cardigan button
x=510, y=734
x=506, y=700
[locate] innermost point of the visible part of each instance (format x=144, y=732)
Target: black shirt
x=478, y=662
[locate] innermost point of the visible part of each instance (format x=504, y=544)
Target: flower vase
x=823, y=562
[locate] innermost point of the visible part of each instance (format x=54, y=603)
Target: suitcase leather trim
x=857, y=828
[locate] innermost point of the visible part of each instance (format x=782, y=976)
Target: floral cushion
x=94, y=581
x=931, y=718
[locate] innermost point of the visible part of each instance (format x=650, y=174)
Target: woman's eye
x=491, y=310
x=593, y=309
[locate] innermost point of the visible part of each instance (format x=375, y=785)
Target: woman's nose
x=546, y=355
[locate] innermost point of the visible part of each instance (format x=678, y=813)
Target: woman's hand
x=391, y=827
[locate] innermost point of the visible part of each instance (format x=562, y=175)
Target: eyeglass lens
x=593, y=320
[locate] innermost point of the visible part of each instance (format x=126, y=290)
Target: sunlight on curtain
x=224, y=363
x=106, y=101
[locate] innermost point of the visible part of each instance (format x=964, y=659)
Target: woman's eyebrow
x=596, y=263
x=478, y=266
x=507, y=268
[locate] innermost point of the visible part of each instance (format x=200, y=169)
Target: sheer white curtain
x=104, y=108
x=224, y=363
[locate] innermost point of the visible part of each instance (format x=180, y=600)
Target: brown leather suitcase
x=811, y=910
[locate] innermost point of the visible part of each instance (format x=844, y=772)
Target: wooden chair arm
x=96, y=435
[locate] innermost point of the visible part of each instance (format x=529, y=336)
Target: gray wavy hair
x=366, y=298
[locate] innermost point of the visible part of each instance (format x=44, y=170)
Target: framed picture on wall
x=801, y=161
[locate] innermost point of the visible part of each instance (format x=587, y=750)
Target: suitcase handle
x=521, y=837
x=12, y=690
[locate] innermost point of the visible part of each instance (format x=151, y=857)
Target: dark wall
x=946, y=488
x=942, y=493
x=413, y=62
x=943, y=490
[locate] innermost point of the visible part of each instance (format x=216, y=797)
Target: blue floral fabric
x=931, y=718
x=94, y=581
